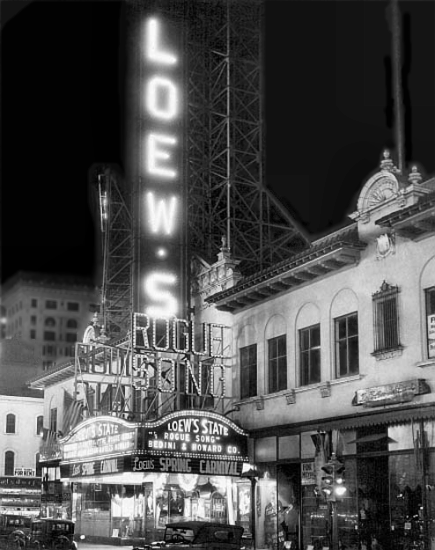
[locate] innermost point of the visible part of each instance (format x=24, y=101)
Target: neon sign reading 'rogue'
x=161, y=95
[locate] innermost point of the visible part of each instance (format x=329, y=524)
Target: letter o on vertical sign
x=162, y=98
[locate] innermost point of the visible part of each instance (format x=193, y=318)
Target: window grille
x=430, y=321
x=386, y=318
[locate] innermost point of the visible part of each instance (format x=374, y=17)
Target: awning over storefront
x=392, y=416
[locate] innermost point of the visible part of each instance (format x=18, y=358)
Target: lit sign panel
x=104, y=466
x=160, y=203
x=158, y=344
x=99, y=436
x=192, y=434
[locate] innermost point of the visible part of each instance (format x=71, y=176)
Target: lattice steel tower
x=225, y=165
x=117, y=250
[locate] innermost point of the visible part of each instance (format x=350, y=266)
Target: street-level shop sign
x=389, y=394
x=99, y=436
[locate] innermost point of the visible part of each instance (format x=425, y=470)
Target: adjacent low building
x=334, y=350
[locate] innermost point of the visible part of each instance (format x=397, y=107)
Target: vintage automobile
x=198, y=535
x=14, y=529
x=50, y=533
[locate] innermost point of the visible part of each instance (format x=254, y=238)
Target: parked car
x=57, y=534
x=198, y=535
x=14, y=529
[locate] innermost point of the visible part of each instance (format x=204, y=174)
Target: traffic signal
x=333, y=485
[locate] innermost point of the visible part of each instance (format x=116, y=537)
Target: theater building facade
x=332, y=351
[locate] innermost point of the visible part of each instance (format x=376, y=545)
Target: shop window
x=49, y=336
x=248, y=371
x=277, y=363
x=51, y=304
x=346, y=345
x=9, y=463
x=72, y=306
x=10, y=423
x=386, y=318
x=50, y=322
x=53, y=420
x=71, y=323
x=430, y=317
x=309, y=342
x=34, y=302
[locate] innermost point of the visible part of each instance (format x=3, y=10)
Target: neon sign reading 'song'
x=162, y=106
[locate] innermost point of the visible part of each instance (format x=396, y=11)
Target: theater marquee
x=196, y=442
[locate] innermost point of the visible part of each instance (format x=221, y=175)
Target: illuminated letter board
x=102, y=436
x=191, y=441
x=161, y=218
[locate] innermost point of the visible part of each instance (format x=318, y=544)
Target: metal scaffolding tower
x=227, y=195
x=117, y=244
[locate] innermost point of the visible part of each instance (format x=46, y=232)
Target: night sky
x=328, y=114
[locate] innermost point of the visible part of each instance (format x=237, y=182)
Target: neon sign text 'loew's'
x=162, y=205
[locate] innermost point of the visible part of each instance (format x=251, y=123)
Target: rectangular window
x=53, y=420
x=34, y=302
x=430, y=316
x=277, y=349
x=386, y=318
x=33, y=319
x=309, y=343
x=72, y=306
x=346, y=345
x=71, y=337
x=248, y=371
x=51, y=304
x=46, y=365
x=33, y=334
x=49, y=336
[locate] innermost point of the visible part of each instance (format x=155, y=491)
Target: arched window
x=39, y=424
x=9, y=463
x=71, y=323
x=38, y=467
x=50, y=322
x=10, y=423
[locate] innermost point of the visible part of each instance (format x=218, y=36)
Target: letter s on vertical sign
x=165, y=302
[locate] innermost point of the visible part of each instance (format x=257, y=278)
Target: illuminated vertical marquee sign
x=160, y=198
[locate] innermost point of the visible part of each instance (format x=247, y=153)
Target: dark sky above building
x=328, y=114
